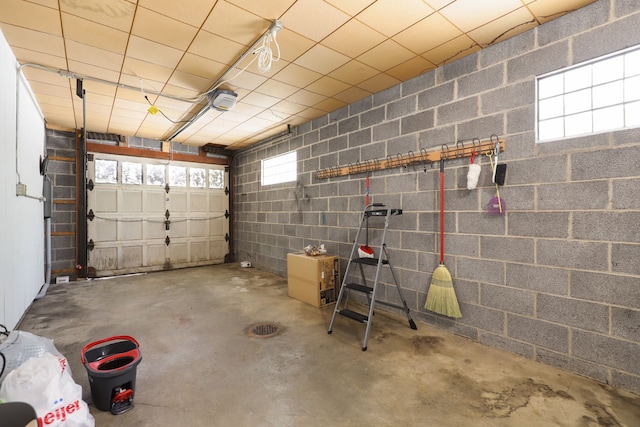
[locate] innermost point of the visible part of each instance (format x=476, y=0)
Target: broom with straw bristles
x=441, y=297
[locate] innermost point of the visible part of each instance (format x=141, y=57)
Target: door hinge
x=91, y=245
x=90, y=185
x=167, y=241
x=167, y=188
x=226, y=237
x=226, y=214
x=226, y=191
x=91, y=215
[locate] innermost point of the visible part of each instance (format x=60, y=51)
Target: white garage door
x=150, y=215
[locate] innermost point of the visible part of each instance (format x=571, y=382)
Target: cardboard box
x=313, y=279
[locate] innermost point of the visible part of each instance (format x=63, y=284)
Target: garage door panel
x=131, y=256
x=216, y=226
x=132, y=201
x=198, y=227
x=199, y=250
x=216, y=202
x=198, y=202
x=156, y=254
x=131, y=229
x=178, y=252
x=154, y=201
x=104, y=258
x=105, y=230
x=155, y=228
x=178, y=227
x=218, y=249
x=177, y=202
x=106, y=200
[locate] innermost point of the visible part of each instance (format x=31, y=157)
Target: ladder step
x=368, y=261
x=353, y=315
x=361, y=288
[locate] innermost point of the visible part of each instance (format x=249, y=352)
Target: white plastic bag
x=46, y=384
x=20, y=346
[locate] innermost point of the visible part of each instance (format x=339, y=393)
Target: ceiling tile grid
x=331, y=53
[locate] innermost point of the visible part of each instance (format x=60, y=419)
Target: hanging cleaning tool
x=441, y=297
x=365, y=250
x=496, y=205
x=474, y=172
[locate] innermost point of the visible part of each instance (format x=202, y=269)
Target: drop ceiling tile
x=387, y=17
x=438, y=4
x=259, y=100
x=322, y=59
x=296, y=75
x=180, y=92
x=271, y=9
x=245, y=80
x=162, y=29
x=546, y=10
x=352, y=95
x=327, y=86
x=288, y=107
x=231, y=22
x=64, y=101
x=116, y=14
x=194, y=14
x=200, y=66
x=53, y=4
x=216, y=48
x=351, y=7
x=94, y=34
x=410, y=69
x=353, y=72
x=189, y=81
x=145, y=71
x=93, y=98
x=313, y=19
x=94, y=88
x=310, y=114
x=245, y=109
x=353, y=39
x=292, y=45
x=36, y=41
x=272, y=116
x=330, y=104
x=46, y=89
x=94, y=56
x=277, y=89
x=31, y=16
x=84, y=69
x=25, y=56
x=378, y=83
x=152, y=52
x=469, y=14
x=428, y=34
x=305, y=97
x=386, y=55
x=122, y=129
x=509, y=25
x=42, y=76
x=451, y=50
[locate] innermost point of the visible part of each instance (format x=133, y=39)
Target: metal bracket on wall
x=424, y=157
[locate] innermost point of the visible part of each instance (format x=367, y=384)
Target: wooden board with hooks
x=419, y=159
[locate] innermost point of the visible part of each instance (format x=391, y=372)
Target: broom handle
x=441, y=211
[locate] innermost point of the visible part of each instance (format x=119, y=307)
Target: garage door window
x=155, y=174
x=106, y=171
x=131, y=173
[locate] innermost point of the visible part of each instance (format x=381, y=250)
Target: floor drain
x=263, y=330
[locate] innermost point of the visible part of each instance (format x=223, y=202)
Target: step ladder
x=375, y=210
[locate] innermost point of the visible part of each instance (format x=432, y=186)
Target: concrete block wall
x=557, y=279
x=61, y=149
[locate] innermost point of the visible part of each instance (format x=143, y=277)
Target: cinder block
x=606, y=351
x=539, y=61
x=607, y=226
x=540, y=170
x=359, y=138
x=625, y=136
x=539, y=224
x=457, y=111
x=436, y=95
x=467, y=291
x=387, y=95
x=625, y=323
x=328, y=132
x=339, y=143
x=573, y=254
x=472, y=223
x=508, y=98
x=626, y=381
x=625, y=193
x=507, y=299
x=504, y=343
x=521, y=119
x=352, y=155
x=606, y=39
x=625, y=258
x=372, y=117
x=482, y=127
x=465, y=65
x=540, y=279
x=479, y=270
x=416, y=122
x=484, y=318
x=572, y=312
x=462, y=244
x=418, y=83
x=574, y=196
x=605, y=288
x=358, y=107
x=348, y=125
x=480, y=81
x=402, y=107
x=544, y=334
x=386, y=130
x=609, y=163
x=507, y=248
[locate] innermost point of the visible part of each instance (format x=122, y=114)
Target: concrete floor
x=200, y=368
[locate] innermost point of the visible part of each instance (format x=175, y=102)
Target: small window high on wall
x=596, y=96
x=279, y=169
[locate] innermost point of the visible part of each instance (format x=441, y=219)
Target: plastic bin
x=111, y=365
